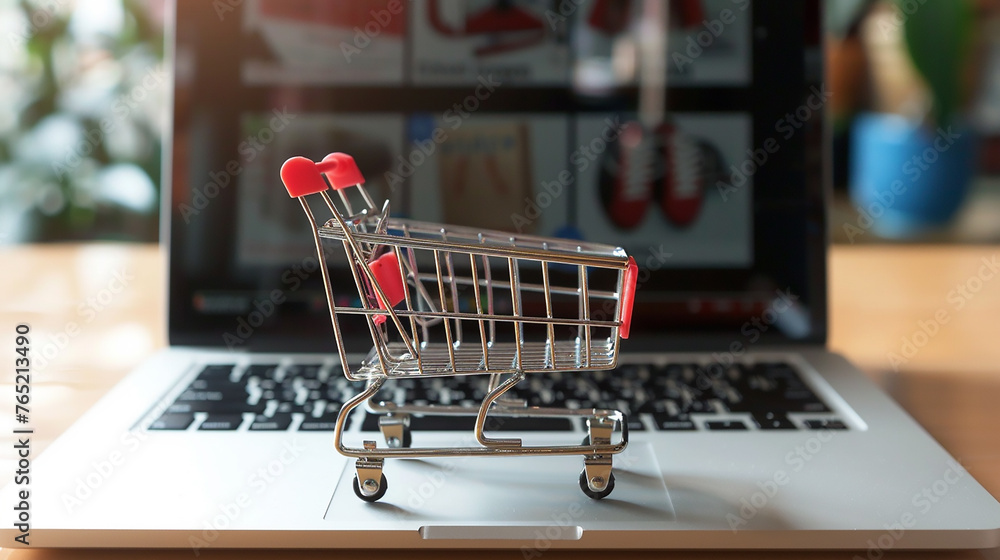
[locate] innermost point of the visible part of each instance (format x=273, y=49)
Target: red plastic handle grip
x=341, y=171
x=301, y=177
x=628, y=297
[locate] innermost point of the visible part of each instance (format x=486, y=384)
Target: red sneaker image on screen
x=610, y=17
x=506, y=27
x=626, y=175
x=680, y=188
x=686, y=14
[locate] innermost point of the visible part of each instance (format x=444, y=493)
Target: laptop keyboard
x=676, y=397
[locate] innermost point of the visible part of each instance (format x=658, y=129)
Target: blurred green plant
x=939, y=37
x=82, y=113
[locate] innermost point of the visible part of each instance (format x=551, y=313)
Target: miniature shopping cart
x=454, y=301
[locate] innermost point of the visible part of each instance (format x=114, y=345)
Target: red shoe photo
x=680, y=188
x=625, y=178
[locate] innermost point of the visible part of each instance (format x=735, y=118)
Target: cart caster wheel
x=596, y=495
x=382, y=487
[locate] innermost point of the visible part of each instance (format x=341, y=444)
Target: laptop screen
x=687, y=132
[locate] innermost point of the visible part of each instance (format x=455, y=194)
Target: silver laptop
x=690, y=134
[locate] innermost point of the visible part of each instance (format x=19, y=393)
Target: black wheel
x=596, y=495
x=382, y=487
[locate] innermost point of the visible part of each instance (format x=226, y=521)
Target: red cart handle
x=341, y=171
x=628, y=297
x=302, y=176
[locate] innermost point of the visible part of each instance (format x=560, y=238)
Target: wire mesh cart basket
x=444, y=300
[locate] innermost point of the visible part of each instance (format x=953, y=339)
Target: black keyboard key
x=221, y=422
x=777, y=403
x=521, y=424
x=664, y=421
x=812, y=406
x=224, y=386
x=324, y=423
x=773, y=421
x=172, y=421
x=831, y=424
x=726, y=425
x=636, y=425
x=219, y=398
x=216, y=372
x=799, y=393
x=318, y=425
x=218, y=407
x=277, y=423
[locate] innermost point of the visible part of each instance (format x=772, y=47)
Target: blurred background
x=83, y=93
x=916, y=117
x=915, y=111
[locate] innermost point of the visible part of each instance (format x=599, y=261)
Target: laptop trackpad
x=464, y=497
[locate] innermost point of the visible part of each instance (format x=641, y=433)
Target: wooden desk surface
x=96, y=311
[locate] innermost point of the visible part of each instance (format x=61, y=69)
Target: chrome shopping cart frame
x=420, y=285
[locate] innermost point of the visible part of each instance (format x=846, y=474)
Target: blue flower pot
x=907, y=180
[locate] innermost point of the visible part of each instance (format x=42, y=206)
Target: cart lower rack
x=443, y=300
